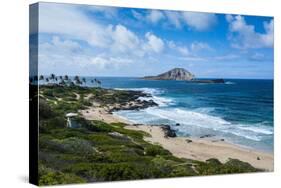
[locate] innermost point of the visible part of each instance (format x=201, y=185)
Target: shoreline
x=199, y=149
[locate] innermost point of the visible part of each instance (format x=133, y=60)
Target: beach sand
x=203, y=149
x=190, y=148
x=101, y=114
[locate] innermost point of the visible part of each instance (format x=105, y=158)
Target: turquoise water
x=240, y=111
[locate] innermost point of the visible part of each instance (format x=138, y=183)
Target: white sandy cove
x=197, y=149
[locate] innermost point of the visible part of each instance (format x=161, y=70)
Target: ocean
x=239, y=111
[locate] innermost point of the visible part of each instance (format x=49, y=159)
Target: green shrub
x=45, y=110
x=68, y=146
x=95, y=126
x=52, y=123
x=49, y=176
x=213, y=166
x=154, y=150
x=237, y=166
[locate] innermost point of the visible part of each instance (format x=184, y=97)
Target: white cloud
x=153, y=43
x=183, y=50
x=67, y=55
x=258, y=57
x=226, y=57
x=189, y=50
x=109, y=62
x=198, y=46
x=268, y=38
x=192, y=58
x=155, y=16
x=196, y=21
x=137, y=15
x=171, y=44
x=71, y=21
x=229, y=18
x=58, y=50
x=124, y=40
x=108, y=12
x=246, y=36
x=199, y=21
x=66, y=44
x=174, y=18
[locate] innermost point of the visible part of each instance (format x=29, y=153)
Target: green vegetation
x=98, y=151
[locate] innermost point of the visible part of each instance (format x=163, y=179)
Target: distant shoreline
x=140, y=77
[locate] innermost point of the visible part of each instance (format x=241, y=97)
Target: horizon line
x=144, y=76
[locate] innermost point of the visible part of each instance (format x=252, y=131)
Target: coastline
x=102, y=143
x=199, y=149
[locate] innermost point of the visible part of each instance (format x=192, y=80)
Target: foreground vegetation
x=97, y=151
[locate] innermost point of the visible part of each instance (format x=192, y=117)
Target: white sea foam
x=152, y=91
x=205, y=110
x=161, y=101
x=258, y=129
x=189, y=118
x=229, y=83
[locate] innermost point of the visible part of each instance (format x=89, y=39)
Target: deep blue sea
x=240, y=111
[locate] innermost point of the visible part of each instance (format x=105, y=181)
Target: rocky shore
x=203, y=148
x=107, y=144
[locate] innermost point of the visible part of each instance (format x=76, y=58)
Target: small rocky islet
x=180, y=74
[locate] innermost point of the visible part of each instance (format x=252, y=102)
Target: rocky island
x=174, y=74
x=184, y=75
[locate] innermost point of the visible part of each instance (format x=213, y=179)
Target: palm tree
x=41, y=77
x=66, y=77
x=62, y=82
x=99, y=83
x=95, y=80
x=78, y=82
x=76, y=78
x=47, y=79
x=71, y=84
x=52, y=77
x=84, y=80
x=60, y=77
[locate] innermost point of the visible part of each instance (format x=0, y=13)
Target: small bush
x=69, y=146
x=154, y=150
x=45, y=110
x=49, y=176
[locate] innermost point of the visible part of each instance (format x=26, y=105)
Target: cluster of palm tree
x=65, y=80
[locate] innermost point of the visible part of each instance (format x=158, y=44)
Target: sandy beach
x=190, y=148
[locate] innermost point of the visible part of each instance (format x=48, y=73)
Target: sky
x=109, y=41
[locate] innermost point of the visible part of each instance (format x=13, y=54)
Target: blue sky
x=109, y=41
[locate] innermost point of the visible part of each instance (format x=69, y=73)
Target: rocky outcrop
x=132, y=102
x=168, y=131
x=207, y=136
x=174, y=74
